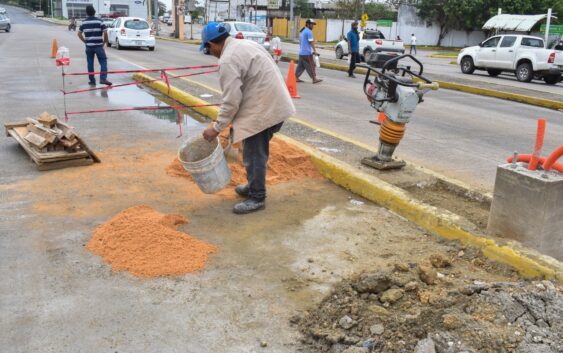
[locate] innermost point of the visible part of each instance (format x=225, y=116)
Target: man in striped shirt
x=92, y=32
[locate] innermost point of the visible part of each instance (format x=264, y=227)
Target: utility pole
x=547, y=25
x=156, y=11
x=291, y=22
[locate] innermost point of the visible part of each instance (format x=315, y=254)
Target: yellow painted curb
x=437, y=221
x=443, y=56
x=186, y=41
x=178, y=95
x=540, y=102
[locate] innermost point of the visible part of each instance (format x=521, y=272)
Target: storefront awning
x=519, y=23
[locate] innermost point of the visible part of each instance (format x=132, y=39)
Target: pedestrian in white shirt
x=413, y=44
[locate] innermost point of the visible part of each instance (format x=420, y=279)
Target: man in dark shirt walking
x=353, y=48
x=93, y=33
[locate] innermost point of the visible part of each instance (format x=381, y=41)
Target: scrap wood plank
x=47, y=135
x=9, y=126
x=36, y=140
x=59, y=133
x=87, y=149
x=65, y=164
x=47, y=119
x=67, y=130
x=19, y=133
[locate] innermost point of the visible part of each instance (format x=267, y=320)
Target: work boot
x=318, y=80
x=249, y=206
x=92, y=83
x=242, y=190
x=106, y=82
x=300, y=80
x=352, y=76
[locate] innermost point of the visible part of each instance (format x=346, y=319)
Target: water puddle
x=140, y=96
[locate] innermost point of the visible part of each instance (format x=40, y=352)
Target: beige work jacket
x=255, y=96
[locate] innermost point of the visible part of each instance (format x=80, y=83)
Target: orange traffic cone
x=55, y=49
x=291, y=81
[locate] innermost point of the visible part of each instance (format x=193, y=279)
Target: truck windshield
x=532, y=42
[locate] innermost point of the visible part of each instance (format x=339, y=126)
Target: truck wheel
x=339, y=53
x=467, y=66
x=8, y=28
x=524, y=72
x=494, y=72
x=551, y=80
x=367, y=54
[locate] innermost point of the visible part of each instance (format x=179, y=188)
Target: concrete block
x=528, y=207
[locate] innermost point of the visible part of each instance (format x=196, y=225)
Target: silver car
x=245, y=30
x=5, y=23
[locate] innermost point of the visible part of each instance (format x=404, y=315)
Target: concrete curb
x=187, y=41
x=443, y=56
x=540, y=102
x=443, y=223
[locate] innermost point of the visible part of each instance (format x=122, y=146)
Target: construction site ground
x=288, y=279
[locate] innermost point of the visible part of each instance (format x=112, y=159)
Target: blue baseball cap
x=211, y=31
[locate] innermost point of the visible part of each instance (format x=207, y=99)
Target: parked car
x=526, y=56
x=169, y=21
x=130, y=32
x=249, y=31
x=5, y=23
x=3, y=11
x=371, y=41
x=107, y=21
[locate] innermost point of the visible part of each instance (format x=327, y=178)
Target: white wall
x=409, y=22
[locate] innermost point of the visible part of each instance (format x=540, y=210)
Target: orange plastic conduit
x=538, y=146
x=550, y=160
x=527, y=157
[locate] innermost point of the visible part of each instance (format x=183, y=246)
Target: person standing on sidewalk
x=306, y=51
x=255, y=101
x=353, y=48
x=92, y=32
x=413, y=44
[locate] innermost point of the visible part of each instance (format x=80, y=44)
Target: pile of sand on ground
x=145, y=243
x=286, y=163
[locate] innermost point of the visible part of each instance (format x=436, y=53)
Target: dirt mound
x=286, y=163
x=420, y=308
x=146, y=243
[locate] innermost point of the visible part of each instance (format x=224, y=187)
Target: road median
x=437, y=221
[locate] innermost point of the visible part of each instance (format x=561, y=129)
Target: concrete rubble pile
x=424, y=308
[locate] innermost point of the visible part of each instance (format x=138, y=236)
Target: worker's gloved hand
x=210, y=134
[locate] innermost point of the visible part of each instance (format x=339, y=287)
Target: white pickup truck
x=371, y=42
x=526, y=56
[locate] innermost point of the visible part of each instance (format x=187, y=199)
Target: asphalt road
x=460, y=135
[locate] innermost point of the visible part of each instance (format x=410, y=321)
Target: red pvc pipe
x=550, y=160
x=540, y=133
x=526, y=159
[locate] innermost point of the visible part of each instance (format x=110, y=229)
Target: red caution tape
x=143, y=108
x=134, y=71
x=164, y=76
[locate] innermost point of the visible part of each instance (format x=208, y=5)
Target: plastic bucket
x=206, y=163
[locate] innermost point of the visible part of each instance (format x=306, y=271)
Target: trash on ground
x=329, y=150
x=50, y=143
x=145, y=243
x=356, y=202
x=206, y=95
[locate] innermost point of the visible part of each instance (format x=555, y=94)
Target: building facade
x=106, y=8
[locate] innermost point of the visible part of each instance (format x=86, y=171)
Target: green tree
x=348, y=9
x=161, y=8
x=378, y=11
x=303, y=9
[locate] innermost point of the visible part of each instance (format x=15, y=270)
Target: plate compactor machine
x=394, y=92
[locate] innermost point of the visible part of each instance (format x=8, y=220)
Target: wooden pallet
x=52, y=159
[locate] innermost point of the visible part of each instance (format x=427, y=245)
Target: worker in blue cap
x=255, y=102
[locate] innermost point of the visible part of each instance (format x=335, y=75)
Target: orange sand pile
x=286, y=163
x=145, y=242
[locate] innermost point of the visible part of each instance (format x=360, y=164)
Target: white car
x=2, y=11
x=372, y=41
x=245, y=30
x=130, y=32
x=5, y=23
x=526, y=56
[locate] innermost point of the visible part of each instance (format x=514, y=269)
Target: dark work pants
x=255, y=153
x=307, y=63
x=354, y=59
x=102, y=59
